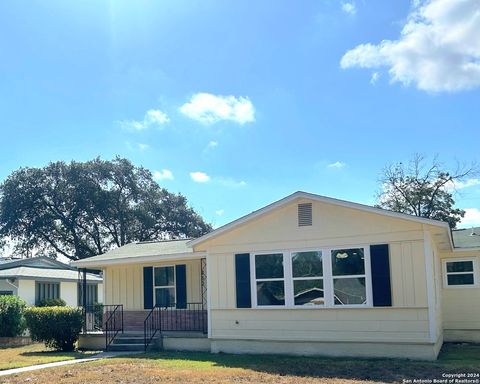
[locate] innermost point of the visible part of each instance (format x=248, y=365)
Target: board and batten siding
x=461, y=305
x=333, y=226
x=124, y=283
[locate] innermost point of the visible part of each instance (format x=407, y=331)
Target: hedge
x=12, y=322
x=57, y=327
x=52, y=303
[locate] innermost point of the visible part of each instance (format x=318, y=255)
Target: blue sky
x=238, y=103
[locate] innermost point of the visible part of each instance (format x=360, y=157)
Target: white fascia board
x=323, y=199
x=85, y=263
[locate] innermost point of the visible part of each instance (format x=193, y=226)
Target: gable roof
x=466, y=238
x=323, y=199
x=40, y=262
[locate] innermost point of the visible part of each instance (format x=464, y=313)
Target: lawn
x=175, y=367
x=33, y=354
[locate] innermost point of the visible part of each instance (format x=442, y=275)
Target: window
x=270, y=281
x=92, y=294
x=349, y=277
x=45, y=291
x=311, y=278
x=307, y=276
x=459, y=272
x=164, y=286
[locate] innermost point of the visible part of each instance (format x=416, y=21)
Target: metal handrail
x=191, y=317
x=151, y=326
x=113, y=324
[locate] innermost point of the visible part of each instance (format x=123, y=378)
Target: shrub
x=52, y=303
x=57, y=327
x=12, y=322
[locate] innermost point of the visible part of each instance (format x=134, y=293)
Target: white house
x=37, y=278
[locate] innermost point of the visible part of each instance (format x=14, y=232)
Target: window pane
x=270, y=293
x=307, y=264
x=269, y=266
x=460, y=266
x=462, y=279
x=165, y=297
x=348, y=262
x=308, y=292
x=164, y=276
x=349, y=291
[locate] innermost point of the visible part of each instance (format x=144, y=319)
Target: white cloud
x=143, y=146
x=374, y=78
x=231, y=183
x=349, y=8
x=438, y=48
x=471, y=218
x=337, y=165
x=209, y=109
x=456, y=185
x=153, y=117
x=212, y=144
x=136, y=146
x=220, y=212
x=199, y=177
x=164, y=174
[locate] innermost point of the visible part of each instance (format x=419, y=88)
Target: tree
x=421, y=190
x=84, y=209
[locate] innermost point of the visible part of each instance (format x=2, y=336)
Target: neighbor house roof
x=323, y=199
x=34, y=262
x=29, y=273
x=138, y=252
x=466, y=238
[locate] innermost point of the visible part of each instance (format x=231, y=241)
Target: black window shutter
x=181, y=285
x=242, y=274
x=147, y=287
x=380, y=265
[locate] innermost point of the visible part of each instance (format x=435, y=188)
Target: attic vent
x=304, y=214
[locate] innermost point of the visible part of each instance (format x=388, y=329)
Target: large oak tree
x=82, y=209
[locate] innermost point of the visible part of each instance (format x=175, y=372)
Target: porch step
x=125, y=347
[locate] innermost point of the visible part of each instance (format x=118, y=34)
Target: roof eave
x=85, y=263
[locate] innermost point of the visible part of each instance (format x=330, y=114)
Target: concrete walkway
x=102, y=355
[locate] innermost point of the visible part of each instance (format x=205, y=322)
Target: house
x=307, y=275
x=38, y=278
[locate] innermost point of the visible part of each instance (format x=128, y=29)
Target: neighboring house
x=37, y=278
x=306, y=275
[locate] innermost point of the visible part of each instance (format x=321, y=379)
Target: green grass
x=206, y=368
x=33, y=354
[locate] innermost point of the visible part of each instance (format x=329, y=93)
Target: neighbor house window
x=164, y=281
x=270, y=279
x=92, y=294
x=459, y=272
x=46, y=291
x=307, y=276
x=349, y=277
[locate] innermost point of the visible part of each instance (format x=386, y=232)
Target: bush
x=12, y=322
x=57, y=327
x=52, y=303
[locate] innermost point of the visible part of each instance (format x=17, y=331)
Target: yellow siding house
x=306, y=275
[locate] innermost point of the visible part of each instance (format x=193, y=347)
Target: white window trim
x=174, y=286
x=476, y=273
x=327, y=278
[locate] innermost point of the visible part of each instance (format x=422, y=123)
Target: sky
x=236, y=104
